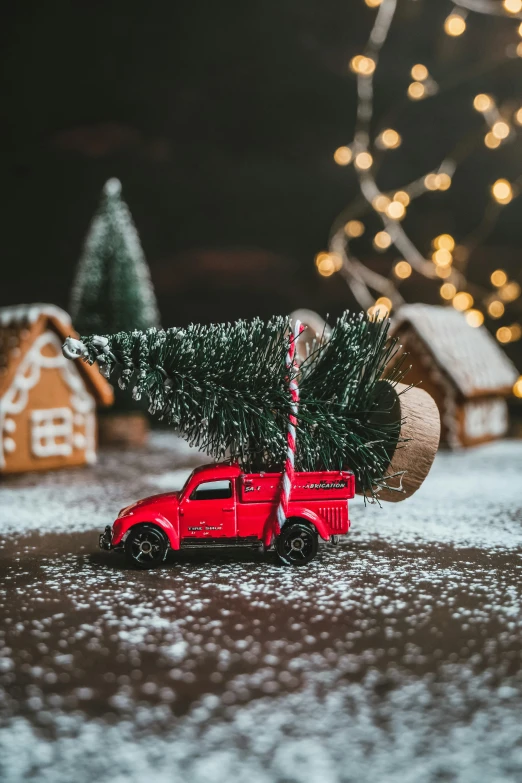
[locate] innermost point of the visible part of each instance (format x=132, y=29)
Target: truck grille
x=334, y=516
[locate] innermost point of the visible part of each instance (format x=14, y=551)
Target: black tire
x=297, y=544
x=146, y=546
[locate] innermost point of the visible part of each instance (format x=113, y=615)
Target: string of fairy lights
x=448, y=258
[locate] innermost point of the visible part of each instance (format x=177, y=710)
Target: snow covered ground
x=393, y=659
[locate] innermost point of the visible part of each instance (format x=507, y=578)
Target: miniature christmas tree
x=225, y=389
x=112, y=291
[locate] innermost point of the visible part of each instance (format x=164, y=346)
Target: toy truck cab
x=220, y=506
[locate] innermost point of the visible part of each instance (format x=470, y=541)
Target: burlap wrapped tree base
x=420, y=424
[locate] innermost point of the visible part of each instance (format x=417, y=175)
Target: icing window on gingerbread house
x=51, y=432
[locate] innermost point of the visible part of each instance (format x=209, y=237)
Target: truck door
x=209, y=511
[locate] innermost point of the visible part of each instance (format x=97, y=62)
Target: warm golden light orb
x=416, y=91
x=343, y=156
x=363, y=161
x=382, y=240
x=454, y=25
x=396, y=210
x=482, y=102
x=500, y=129
x=502, y=191
x=354, y=229
x=475, y=318
x=512, y=6
x=419, y=73
x=448, y=291
x=402, y=269
x=498, y=278
x=462, y=301
x=496, y=309
x=503, y=334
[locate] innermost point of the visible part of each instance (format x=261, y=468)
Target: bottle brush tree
x=112, y=291
x=225, y=389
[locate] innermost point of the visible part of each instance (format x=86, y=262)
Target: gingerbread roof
x=20, y=325
x=468, y=356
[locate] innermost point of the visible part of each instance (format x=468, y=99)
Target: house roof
x=20, y=325
x=469, y=356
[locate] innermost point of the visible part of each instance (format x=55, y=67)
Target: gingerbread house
x=463, y=369
x=47, y=404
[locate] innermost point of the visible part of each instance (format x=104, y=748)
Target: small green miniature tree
x=112, y=291
x=225, y=389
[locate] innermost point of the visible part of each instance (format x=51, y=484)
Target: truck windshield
x=185, y=485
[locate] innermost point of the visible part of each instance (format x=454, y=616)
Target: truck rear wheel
x=146, y=546
x=297, y=543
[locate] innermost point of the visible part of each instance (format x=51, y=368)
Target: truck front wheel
x=146, y=546
x=297, y=543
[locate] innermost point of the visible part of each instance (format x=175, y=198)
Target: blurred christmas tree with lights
x=112, y=290
x=443, y=259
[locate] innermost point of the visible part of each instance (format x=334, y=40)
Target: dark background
x=221, y=120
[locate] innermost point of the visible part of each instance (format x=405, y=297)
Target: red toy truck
x=220, y=506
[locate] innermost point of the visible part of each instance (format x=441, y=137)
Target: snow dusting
x=393, y=658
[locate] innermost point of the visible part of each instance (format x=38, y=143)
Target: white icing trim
x=28, y=375
x=47, y=425
x=9, y=445
x=10, y=425
x=79, y=440
x=485, y=418
x=29, y=313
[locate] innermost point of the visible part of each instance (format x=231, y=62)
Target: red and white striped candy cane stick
x=287, y=478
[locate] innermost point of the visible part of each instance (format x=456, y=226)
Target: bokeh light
x=509, y=292
x=381, y=202
x=454, y=25
x=462, y=301
x=496, y=309
x=390, y=139
x=448, y=291
x=498, y=278
x=502, y=191
x=491, y=141
x=482, y=102
x=396, y=210
x=419, y=73
x=402, y=197
x=475, y=318
x=416, y=91
x=343, y=156
x=382, y=240
x=444, y=242
x=500, y=129
x=402, y=269
x=503, y=334
x=354, y=228
x=363, y=161
x=512, y=6
x=442, y=257
x=362, y=65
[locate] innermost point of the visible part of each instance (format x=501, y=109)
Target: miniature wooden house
x=47, y=404
x=463, y=369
